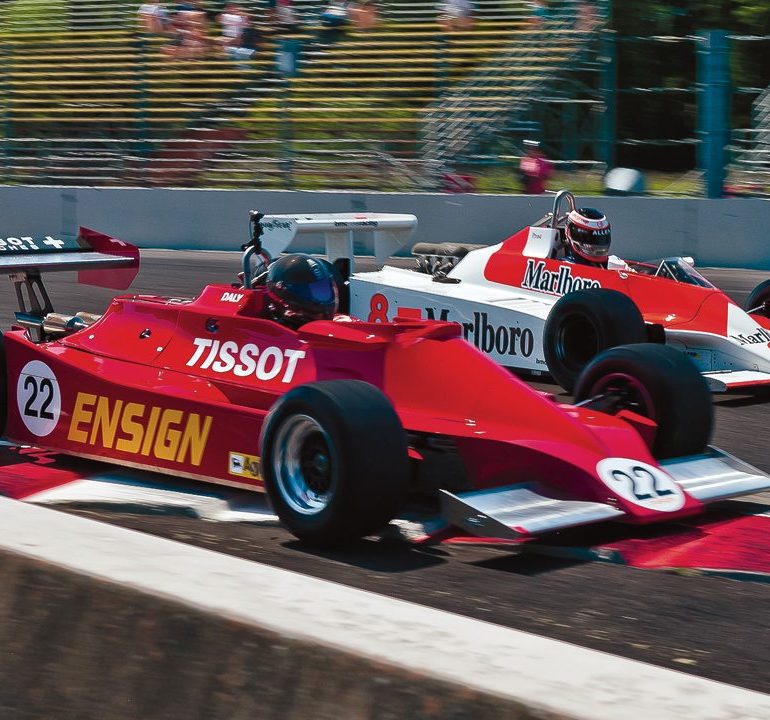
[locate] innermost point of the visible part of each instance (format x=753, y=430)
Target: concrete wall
x=78, y=647
x=729, y=233
x=102, y=623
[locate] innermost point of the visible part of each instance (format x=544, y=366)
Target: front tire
x=582, y=324
x=659, y=383
x=758, y=300
x=334, y=461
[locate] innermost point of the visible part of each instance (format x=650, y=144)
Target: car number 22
x=38, y=398
x=641, y=484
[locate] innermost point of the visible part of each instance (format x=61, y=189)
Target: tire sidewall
x=614, y=320
x=338, y=455
x=758, y=296
x=368, y=451
x=682, y=401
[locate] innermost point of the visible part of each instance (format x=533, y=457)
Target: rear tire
x=334, y=461
x=759, y=300
x=657, y=382
x=584, y=323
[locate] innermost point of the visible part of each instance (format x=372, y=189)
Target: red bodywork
x=183, y=387
x=662, y=301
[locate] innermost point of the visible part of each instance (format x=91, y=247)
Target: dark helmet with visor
x=299, y=289
x=589, y=235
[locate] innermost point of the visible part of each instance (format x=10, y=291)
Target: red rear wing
x=100, y=259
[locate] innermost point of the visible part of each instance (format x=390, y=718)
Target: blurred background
x=457, y=96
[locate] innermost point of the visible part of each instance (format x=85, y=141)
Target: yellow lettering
x=132, y=427
x=133, y=430
x=81, y=415
x=106, y=421
x=167, y=440
x=150, y=433
x=194, y=438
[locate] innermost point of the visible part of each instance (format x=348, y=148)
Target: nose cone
x=745, y=331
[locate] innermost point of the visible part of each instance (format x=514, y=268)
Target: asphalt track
x=709, y=626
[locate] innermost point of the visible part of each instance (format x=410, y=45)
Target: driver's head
x=589, y=236
x=300, y=289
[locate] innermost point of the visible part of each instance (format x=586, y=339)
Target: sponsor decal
x=231, y=297
x=229, y=357
x=641, y=484
x=271, y=224
x=356, y=223
x=38, y=398
x=132, y=427
x=559, y=282
x=760, y=337
x=244, y=465
x=508, y=340
x=27, y=243
x=504, y=340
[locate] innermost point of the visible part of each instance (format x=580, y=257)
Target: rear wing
x=391, y=232
x=100, y=260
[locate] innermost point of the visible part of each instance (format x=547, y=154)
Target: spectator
x=364, y=14
x=153, y=18
x=335, y=15
x=540, y=12
x=586, y=15
x=534, y=169
x=456, y=15
x=246, y=41
x=286, y=16
x=233, y=20
x=189, y=31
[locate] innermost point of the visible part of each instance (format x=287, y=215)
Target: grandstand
x=89, y=99
x=751, y=149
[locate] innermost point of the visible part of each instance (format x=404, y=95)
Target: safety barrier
x=99, y=622
x=714, y=232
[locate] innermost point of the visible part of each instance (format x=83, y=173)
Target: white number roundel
x=641, y=484
x=38, y=398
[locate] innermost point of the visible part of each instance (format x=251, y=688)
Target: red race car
x=339, y=420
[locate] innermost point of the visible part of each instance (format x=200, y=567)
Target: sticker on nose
x=641, y=484
x=38, y=398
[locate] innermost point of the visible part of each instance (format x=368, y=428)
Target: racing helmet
x=299, y=289
x=589, y=235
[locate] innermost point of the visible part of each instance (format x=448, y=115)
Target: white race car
x=532, y=311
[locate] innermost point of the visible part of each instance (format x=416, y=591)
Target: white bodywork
x=507, y=322
x=503, y=321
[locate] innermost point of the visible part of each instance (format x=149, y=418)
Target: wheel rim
x=303, y=465
x=576, y=342
x=630, y=392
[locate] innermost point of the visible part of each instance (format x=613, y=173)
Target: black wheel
x=582, y=324
x=758, y=300
x=659, y=383
x=334, y=460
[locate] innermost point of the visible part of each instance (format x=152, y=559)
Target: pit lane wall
x=721, y=233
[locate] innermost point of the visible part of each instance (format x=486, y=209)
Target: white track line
x=548, y=674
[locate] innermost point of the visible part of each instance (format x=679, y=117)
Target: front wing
x=519, y=512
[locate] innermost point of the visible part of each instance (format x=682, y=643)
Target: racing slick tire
x=759, y=299
x=583, y=323
x=659, y=383
x=334, y=461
